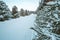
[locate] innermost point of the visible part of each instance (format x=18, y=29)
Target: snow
x=1, y=16
x=56, y=16
x=46, y=32
x=17, y=29
x=51, y=3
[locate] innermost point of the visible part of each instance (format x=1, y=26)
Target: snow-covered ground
x=17, y=29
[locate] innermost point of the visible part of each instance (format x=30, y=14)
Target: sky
x=30, y=5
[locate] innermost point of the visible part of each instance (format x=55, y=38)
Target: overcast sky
x=25, y=4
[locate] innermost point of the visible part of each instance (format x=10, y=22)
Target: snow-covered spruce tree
x=5, y=13
x=22, y=12
x=26, y=12
x=15, y=12
x=47, y=23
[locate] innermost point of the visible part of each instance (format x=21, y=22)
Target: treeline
x=6, y=14
x=17, y=13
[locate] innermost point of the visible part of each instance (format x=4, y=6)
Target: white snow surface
x=17, y=29
x=53, y=2
x=1, y=16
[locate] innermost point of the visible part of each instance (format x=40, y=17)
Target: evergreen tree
x=22, y=12
x=5, y=13
x=15, y=12
x=26, y=12
x=47, y=23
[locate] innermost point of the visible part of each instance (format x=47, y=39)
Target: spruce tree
x=47, y=23
x=26, y=12
x=22, y=12
x=5, y=13
x=15, y=12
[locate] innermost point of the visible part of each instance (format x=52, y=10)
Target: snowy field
x=17, y=29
